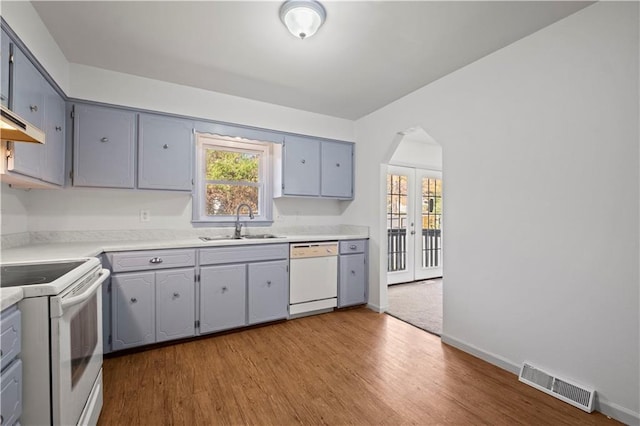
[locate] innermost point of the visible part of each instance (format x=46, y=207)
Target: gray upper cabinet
x=165, y=153
x=4, y=70
x=54, y=128
x=104, y=147
x=313, y=168
x=337, y=170
x=223, y=297
x=268, y=291
x=301, y=166
x=29, y=88
x=175, y=304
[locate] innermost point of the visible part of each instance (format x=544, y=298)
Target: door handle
x=413, y=232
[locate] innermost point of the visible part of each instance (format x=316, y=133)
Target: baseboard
x=375, y=308
x=605, y=407
x=496, y=360
x=617, y=412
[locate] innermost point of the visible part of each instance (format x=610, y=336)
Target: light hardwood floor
x=347, y=367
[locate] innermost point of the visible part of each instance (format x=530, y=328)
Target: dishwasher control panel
x=304, y=250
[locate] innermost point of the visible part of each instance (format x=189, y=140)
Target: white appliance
x=61, y=339
x=313, y=277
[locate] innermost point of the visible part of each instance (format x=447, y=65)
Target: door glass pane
x=396, y=222
x=431, y=240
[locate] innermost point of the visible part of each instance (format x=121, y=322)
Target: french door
x=414, y=224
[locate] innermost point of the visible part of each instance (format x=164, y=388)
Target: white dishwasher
x=313, y=277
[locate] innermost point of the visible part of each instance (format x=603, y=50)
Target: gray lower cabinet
x=223, y=297
x=165, y=153
x=352, y=280
x=268, y=291
x=175, y=304
x=104, y=147
x=242, y=285
x=133, y=304
x=153, y=306
x=11, y=371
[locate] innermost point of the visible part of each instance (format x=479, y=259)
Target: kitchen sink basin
x=244, y=237
x=218, y=238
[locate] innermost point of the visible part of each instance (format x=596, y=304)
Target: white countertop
x=70, y=250
x=9, y=297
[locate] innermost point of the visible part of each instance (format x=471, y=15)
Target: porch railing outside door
x=397, y=249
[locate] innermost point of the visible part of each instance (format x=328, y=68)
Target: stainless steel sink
x=219, y=238
x=244, y=237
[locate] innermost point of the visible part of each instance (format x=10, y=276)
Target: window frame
x=206, y=141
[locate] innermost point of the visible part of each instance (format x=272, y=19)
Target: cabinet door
x=4, y=70
x=133, y=299
x=351, y=287
x=28, y=102
x=175, y=304
x=337, y=170
x=54, y=124
x=268, y=291
x=11, y=393
x=301, y=166
x=164, y=153
x=104, y=147
x=223, y=297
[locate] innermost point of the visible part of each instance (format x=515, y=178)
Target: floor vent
x=571, y=393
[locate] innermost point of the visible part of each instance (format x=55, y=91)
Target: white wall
x=541, y=197
x=25, y=21
x=105, y=209
x=420, y=154
x=13, y=210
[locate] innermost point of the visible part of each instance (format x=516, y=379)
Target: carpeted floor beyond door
x=418, y=303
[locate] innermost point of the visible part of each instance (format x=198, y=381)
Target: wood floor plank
x=351, y=367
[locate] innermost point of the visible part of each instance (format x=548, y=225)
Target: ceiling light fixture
x=302, y=17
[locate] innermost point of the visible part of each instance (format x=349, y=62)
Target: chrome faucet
x=238, y=230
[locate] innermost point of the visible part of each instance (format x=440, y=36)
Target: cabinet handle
x=176, y=295
x=104, y=140
x=165, y=146
x=268, y=283
x=1, y=419
x=353, y=272
x=134, y=300
x=33, y=108
x=303, y=161
x=58, y=128
x=155, y=260
x=224, y=289
x=0, y=353
x=353, y=246
x=337, y=164
x=3, y=97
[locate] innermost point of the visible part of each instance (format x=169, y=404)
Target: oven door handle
x=74, y=300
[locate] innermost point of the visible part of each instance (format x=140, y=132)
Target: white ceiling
x=366, y=55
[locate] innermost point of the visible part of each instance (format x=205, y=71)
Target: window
x=231, y=172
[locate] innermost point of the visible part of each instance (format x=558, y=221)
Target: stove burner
x=34, y=273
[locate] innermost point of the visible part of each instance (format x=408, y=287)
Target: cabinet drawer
x=10, y=338
x=11, y=393
x=352, y=246
x=152, y=259
x=239, y=254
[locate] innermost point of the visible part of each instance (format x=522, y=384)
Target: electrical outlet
x=145, y=216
